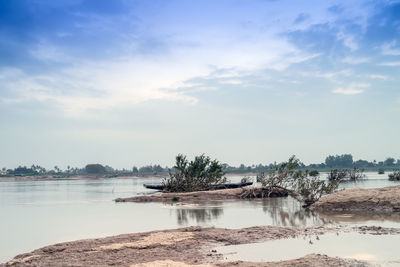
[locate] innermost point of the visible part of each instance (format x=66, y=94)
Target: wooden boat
x=223, y=186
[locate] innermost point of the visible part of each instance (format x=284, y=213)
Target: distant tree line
x=95, y=169
x=344, y=161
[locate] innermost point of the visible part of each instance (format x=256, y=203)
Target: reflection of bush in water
x=289, y=212
x=360, y=217
x=200, y=215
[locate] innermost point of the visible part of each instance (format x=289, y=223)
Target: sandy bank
x=190, y=197
x=385, y=199
x=181, y=247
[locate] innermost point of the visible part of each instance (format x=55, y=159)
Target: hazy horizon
x=127, y=83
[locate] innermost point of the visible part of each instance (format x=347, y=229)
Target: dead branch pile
x=264, y=192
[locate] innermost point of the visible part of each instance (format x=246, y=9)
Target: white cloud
x=89, y=85
x=355, y=60
x=232, y=82
x=352, y=89
x=47, y=52
x=390, y=49
x=348, y=91
x=239, y=45
x=348, y=40
x=329, y=75
x=378, y=76
x=390, y=64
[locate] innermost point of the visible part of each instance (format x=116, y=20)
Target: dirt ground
x=187, y=197
x=204, y=196
x=182, y=247
x=385, y=199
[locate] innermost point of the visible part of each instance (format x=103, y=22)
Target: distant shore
x=91, y=177
x=59, y=178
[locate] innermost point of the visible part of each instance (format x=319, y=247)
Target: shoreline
x=90, y=177
x=185, y=247
x=385, y=199
x=204, y=196
x=71, y=178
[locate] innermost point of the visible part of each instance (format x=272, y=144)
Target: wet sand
x=202, y=196
x=386, y=199
x=183, y=247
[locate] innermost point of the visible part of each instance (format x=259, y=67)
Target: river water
x=40, y=213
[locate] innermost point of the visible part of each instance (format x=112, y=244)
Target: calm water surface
x=39, y=213
x=379, y=249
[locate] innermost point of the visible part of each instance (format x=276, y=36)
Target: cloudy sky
x=135, y=82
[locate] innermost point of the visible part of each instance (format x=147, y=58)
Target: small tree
x=355, y=174
x=298, y=183
x=95, y=169
x=395, y=176
x=341, y=175
x=389, y=162
x=337, y=175
x=282, y=175
x=135, y=170
x=200, y=174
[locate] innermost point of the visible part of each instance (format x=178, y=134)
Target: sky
x=131, y=83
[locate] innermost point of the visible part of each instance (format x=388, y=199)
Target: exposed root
x=264, y=192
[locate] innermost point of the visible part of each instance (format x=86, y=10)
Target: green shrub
x=395, y=176
x=200, y=174
x=298, y=183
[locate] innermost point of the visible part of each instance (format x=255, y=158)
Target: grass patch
x=175, y=199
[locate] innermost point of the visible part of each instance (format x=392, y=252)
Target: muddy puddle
x=381, y=250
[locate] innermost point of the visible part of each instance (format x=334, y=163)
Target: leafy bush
x=337, y=175
x=95, y=169
x=298, y=183
x=200, y=174
x=282, y=175
x=395, y=176
x=341, y=175
x=245, y=179
x=355, y=174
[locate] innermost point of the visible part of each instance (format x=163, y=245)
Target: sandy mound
x=385, y=199
x=159, y=238
x=314, y=260
x=192, y=246
x=201, y=196
x=168, y=263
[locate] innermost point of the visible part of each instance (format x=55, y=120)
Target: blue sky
x=136, y=82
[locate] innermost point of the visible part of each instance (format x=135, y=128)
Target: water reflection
x=245, y=213
x=387, y=219
x=380, y=249
x=199, y=215
x=288, y=212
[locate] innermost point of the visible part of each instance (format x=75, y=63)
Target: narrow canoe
x=223, y=186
